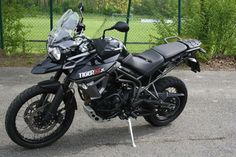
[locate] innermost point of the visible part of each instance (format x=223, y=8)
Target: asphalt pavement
x=207, y=127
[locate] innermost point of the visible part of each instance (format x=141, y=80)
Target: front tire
x=13, y=121
x=162, y=85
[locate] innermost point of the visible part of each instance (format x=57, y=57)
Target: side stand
x=131, y=132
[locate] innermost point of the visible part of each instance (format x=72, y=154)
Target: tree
x=14, y=34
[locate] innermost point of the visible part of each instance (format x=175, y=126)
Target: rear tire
x=15, y=107
x=162, y=85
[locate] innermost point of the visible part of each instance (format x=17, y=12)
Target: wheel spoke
x=23, y=131
x=37, y=129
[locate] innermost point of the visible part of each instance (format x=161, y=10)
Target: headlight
x=54, y=53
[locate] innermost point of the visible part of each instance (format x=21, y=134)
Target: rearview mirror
x=81, y=10
x=121, y=27
x=81, y=7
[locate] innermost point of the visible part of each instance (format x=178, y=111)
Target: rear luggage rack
x=191, y=43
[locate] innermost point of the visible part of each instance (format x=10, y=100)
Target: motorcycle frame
x=169, y=66
x=136, y=82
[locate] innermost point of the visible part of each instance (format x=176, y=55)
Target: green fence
x=1, y=28
x=142, y=27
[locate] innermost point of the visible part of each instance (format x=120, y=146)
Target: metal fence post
x=1, y=27
x=51, y=14
x=179, y=16
x=127, y=20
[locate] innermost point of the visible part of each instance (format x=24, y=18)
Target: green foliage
x=92, y=6
x=166, y=28
x=215, y=26
x=166, y=8
x=212, y=22
x=143, y=8
x=14, y=34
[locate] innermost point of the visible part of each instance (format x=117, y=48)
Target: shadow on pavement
x=75, y=143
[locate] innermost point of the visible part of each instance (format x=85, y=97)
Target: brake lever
x=202, y=50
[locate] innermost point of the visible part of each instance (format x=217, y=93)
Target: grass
x=37, y=28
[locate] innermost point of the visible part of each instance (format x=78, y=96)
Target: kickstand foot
x=131, y=132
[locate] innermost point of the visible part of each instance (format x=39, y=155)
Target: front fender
x=50, y=84
x=55, y=85
x=46, y=66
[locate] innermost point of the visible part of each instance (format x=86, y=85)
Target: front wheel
x=165, y=116
x=25, y=120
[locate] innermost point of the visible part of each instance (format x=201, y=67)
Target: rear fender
x=194, y=65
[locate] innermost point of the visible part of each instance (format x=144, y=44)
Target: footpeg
x=131, y=132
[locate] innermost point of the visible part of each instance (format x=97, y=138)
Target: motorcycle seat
x=144, y=63
x=170, y=50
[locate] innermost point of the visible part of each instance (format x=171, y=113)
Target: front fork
x=61, y=89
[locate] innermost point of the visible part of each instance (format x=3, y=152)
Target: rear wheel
x=25, y=120
x=165, y=116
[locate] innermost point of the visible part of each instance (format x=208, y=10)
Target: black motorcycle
x=111, y=82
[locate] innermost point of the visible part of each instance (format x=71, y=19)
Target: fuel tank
x=94, y=70
x=109, y=51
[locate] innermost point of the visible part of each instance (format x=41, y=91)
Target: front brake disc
x=34, y=118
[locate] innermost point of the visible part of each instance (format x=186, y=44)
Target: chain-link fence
x=1, y=27
x=40, y=15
